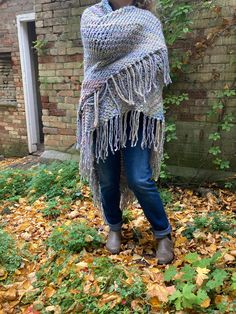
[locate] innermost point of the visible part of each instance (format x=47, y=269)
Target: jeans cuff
x=162, y=233
x=115, y=227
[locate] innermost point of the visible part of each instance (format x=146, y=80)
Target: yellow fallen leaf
x=68, y=222
x=212, y=248
x=233, y=252
x=136, y=257
x=106, y=298
x=88, y=238
x=81, y=265
x=56, y=309
x=229, y=257
x=201, y=275
x=155, y=303
x=3, y=273
x=180, y=241
x=10, y=295
x=161, y=292
x=73, y=214
x=206, y=303
x=49, y=291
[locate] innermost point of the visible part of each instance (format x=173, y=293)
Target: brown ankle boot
x=114, y=241
x=165, y=250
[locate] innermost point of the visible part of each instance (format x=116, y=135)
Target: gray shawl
x=125, y=69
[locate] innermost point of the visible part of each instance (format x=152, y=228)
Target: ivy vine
x=176, y=17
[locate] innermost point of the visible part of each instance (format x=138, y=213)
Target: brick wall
x=211, y=69
x=13, y=135
x=60, y=69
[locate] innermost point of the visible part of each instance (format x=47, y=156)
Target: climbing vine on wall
x=176, y=17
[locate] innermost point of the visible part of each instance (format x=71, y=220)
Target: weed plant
x=13, y=184
x=76, y=294
x=74, y=237
x=211, y=222
x=10, y=258
x=198, y=283
x=57, y=179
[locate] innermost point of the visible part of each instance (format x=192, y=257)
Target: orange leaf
x=106, y=298
x=161, y=292
x=49, y=291
x=155, y=303
x=206, y=303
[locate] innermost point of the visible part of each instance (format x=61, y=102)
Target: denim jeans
x=138, y=173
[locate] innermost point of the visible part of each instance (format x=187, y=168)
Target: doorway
x=29, y=69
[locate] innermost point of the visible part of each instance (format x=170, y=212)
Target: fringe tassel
x=113, y=134
x=136, y=79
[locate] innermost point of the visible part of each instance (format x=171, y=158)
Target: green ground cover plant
x=199, y=282
x=74, y=237
x=13, y=184
x=211, y=222
x=10, y=258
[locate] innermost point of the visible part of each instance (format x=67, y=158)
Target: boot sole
x=167, y=262
x=113, y=251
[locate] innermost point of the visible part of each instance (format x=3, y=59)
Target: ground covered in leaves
x=53, y=260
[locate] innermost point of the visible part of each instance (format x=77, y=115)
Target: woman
x=121, y=124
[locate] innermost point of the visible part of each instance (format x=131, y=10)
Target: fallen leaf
x=201, y=275
x=49, y=291
x=31, y=310
x=73, y=214
x=113, y=297
x=161, y=292
x=229, y=257
x=3, y=273
x=88, y=238
x=206, y=303
x=155, y=302
x=55, y=308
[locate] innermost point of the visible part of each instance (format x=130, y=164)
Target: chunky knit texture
x=125, y=69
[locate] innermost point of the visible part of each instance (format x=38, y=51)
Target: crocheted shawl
x=125, y=69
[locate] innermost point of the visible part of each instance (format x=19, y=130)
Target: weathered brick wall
x=212, y=72
x=60, y=69
x=13, y=135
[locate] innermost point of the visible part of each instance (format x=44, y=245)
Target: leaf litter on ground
x=54, y=260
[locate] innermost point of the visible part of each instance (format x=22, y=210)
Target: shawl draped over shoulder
x=125, y=69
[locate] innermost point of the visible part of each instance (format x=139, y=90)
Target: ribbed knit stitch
x=125, y=69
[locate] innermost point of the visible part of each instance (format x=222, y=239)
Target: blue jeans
x=138, y=173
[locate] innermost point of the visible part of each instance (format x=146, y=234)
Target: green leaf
x=187, y=291
x=191, y=257
x=218, y=277
x=188, y=273
x=214, y=150
x=214, y=136
x=170, y=273
x=177, y=298
x=203, y=263
x=233, y=279
x=189, y=298
x=201, y=296
x=226, y=126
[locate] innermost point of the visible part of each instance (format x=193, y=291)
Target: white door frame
x=30, y=97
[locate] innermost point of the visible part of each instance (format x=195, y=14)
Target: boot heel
x=113, y=241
